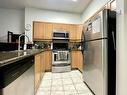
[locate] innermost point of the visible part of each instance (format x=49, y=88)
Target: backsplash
x=42, y=45
x=75, y=46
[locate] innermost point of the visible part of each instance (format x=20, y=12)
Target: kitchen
x=60, y=21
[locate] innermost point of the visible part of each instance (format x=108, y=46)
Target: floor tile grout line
x=62, y=85
x=78, y=83
x=74, y=85
x=55, y=79
x=70, y=77
x=51, y=84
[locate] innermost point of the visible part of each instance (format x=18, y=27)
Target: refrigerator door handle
x=113, y=36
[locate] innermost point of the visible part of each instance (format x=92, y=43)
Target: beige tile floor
x=68, y=83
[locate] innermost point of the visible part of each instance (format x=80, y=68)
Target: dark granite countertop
x=7, y=57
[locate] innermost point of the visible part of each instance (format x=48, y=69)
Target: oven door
x=60, y=65
x=57, y=60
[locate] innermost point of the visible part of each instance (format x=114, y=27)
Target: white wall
x=32, y=14
x=122, y=48
x=93, y=7
x=11, y=20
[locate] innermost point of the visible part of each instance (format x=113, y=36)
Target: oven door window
x=61, y=56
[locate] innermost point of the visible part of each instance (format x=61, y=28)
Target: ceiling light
x=74, y=0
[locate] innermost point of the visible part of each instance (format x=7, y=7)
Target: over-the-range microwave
x=60, y=35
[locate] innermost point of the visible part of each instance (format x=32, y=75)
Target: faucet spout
x=19, y=41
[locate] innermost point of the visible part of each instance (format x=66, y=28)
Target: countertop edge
x=12, y=60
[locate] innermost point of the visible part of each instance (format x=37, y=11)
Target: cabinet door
x=48, y=60
x=37, y=71
x=79, y=33
x=42, y=65
x=73, y=33
x=60, y=27
x=38, y=31
x=42, y=31
x=80, y=60
x=77, y=60
x=48, y=31
x=74, y=59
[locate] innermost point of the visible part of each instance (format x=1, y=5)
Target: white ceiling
x=55, y=5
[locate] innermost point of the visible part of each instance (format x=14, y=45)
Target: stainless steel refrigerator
x=100, y=53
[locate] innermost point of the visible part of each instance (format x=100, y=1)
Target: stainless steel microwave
x=60, y=35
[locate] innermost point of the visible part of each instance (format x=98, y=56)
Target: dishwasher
x=18, y=78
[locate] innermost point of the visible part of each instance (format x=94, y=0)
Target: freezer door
x=95, y=66
x=97, y=27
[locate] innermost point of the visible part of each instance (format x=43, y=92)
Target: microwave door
x=59, y=34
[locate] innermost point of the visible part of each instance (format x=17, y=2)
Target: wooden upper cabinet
x=75, y=33
x=48, y=31
x=38, y=31
x=59, y=27
x=72, y=32
x=79, y=33
x=42, y=31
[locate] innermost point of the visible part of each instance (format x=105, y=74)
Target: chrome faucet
x=24, y=47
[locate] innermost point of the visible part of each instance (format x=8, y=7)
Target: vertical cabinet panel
x=42, y=31
x=56, y=26
x=38, y=30
x=79, y=33
x=77, y=60
x=73, y=32
x=48, y=31
x=74, y=59
x=39, y=69
x=80, y=65
x=48, y=60
x=59, y=27
x=42, y=66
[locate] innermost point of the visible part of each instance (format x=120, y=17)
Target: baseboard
x=89, y=88
x=74, y=69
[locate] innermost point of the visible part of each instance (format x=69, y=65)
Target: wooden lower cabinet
x=77, y=60
x=39, y=69
x=48, y=60
x=42, y=64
